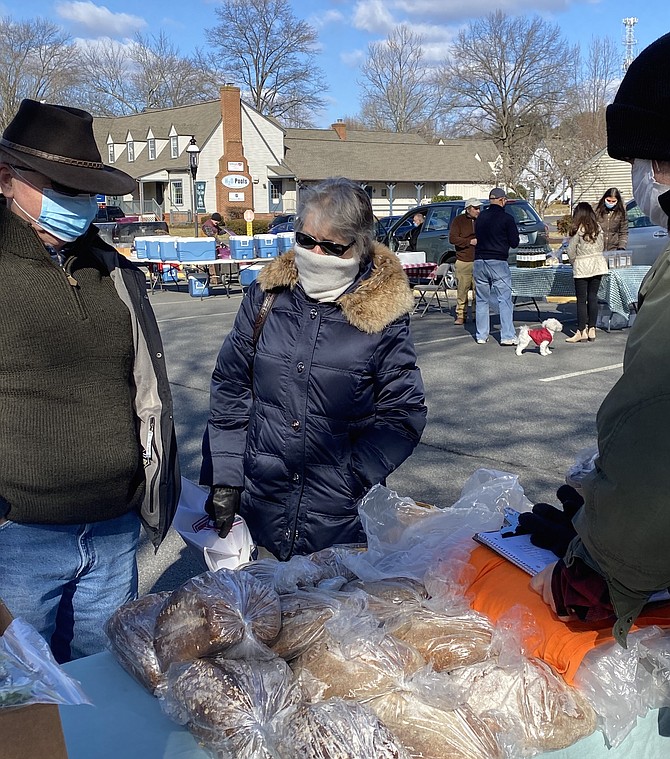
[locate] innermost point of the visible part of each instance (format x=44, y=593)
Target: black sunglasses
x=57, y=186
x=327, y=246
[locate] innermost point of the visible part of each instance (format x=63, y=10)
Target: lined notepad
x=517, y=548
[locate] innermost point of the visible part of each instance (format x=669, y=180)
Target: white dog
x=542, y=336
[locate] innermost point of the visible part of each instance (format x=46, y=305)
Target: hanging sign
x=235, y=165
x=200, y=197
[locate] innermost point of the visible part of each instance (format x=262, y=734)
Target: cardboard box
x=29, y=732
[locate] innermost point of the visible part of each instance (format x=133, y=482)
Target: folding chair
x=436, y=288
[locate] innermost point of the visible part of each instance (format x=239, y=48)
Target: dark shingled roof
x=387, y=159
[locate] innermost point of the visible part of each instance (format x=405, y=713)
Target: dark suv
x=434, y=236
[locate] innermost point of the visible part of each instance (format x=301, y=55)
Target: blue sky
x=347, y=27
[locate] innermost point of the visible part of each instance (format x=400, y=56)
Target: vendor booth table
x=618, y=288
x=228, y=269
x=126, y=721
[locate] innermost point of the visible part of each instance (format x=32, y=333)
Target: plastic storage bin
x=197, y=287
x=285, y=241
x=191, y=249
x=249, y=274
x=152, y=248
x=241, y=247
x=140, y=244
x=266, y=246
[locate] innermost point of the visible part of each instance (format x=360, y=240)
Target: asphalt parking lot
x=487, y=408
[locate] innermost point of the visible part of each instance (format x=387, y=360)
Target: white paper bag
x=198, y=531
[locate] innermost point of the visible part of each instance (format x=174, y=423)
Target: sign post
x=249, y=217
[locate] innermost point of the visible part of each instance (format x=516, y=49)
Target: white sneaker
x=482, y=342
x=509, y=342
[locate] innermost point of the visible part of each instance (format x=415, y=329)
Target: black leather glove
x=221, y=506
x=550, y=527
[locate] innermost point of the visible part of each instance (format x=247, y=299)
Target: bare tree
x=504, y=80
x=150, y=72
x=38, y=61
x=400, y=93
x=270, y=54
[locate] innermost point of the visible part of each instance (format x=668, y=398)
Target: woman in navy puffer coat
x=331, y=401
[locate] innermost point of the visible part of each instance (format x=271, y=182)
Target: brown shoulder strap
x=262, y=316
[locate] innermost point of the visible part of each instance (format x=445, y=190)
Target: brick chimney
x=232, y=164
x=341, y=128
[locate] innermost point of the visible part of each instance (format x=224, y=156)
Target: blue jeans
x=493, y=278
x=66, y=580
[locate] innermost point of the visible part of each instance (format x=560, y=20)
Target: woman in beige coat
x=585, y=252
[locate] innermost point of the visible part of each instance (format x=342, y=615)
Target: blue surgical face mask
x=66, y=217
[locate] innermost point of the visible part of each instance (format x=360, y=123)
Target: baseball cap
x=472, y=202
x=496, y=193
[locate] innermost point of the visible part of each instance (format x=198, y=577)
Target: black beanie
x=638, y=121
x=216, y=216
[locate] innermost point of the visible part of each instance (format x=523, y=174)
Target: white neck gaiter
x=324, y=278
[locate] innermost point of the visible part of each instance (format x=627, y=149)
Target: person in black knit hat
x=620, y=555
x=87, y=441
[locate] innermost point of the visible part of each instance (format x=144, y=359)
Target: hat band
x=52, y=156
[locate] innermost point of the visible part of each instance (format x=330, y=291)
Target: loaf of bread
x=212, y=612
x=284, y=576
x=303, y=615
x=228, y=705
x=330, y=562
x=530, y=703
x=131, y=635
x=447, y=642
x=395, y=590
x=337, y=729
x=360, y=670
x=428, y=732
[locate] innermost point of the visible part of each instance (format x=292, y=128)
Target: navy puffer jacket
x=337, y=405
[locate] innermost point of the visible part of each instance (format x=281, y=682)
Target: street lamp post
x=193, y=157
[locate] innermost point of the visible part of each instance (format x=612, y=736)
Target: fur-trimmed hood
x=379, y=297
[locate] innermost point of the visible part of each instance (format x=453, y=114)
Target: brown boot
x=592, y=334
x=459, y=320
x=578, y=337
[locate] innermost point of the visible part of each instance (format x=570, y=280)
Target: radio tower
x=630, y=43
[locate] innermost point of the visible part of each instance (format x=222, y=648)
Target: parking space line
x=441, y=340
x=198, y=316
x=584, y=371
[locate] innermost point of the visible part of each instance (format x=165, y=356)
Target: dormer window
x=110, y=153
x=174, y=147
x=151, y=147
x=131, y=151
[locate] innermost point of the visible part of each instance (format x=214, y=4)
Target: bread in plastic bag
x=527, y=702
x=354, y=659
x=285, y=576
x=428, y=730
x=331, y=562
x=303, y=616
x=394, y=590
x=215, y=612
x=447, y=642
x=337, y=729
x=130, y=631
x=229, y=704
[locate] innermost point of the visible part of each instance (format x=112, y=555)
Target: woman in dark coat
x=611, y=215
x=331, y=401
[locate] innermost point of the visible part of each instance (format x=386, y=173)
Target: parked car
x=124, y=233
x=434, y=236
x=287, y=226
x=645, y=239
x=281, y=219
x=108, y=213
x=383, y=225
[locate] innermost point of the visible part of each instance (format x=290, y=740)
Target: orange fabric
x=499, y=585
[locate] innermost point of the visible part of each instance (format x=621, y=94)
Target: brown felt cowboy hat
x=58, y=142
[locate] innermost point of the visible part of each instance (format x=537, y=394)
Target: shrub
x=563, y=224
x=239, y=226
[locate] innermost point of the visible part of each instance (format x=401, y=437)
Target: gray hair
x=343, y=207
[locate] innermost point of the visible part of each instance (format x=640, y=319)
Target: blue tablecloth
x=618, y=288
x=125, y=721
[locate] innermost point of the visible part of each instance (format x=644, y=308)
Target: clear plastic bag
x=285, y=576
x=622, y=684
x=585, y=463
x=423, y=712
x=229, y=705
x=304, y=614
x=215, y=612
x=337, y=729
x=28, y=672
x=130, y=631
x=405, y=539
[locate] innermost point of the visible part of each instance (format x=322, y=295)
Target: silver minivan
x=645, y=239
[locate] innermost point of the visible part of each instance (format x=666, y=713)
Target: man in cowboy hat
x=87, y=445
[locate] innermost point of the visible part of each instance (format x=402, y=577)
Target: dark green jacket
x=625, y=522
